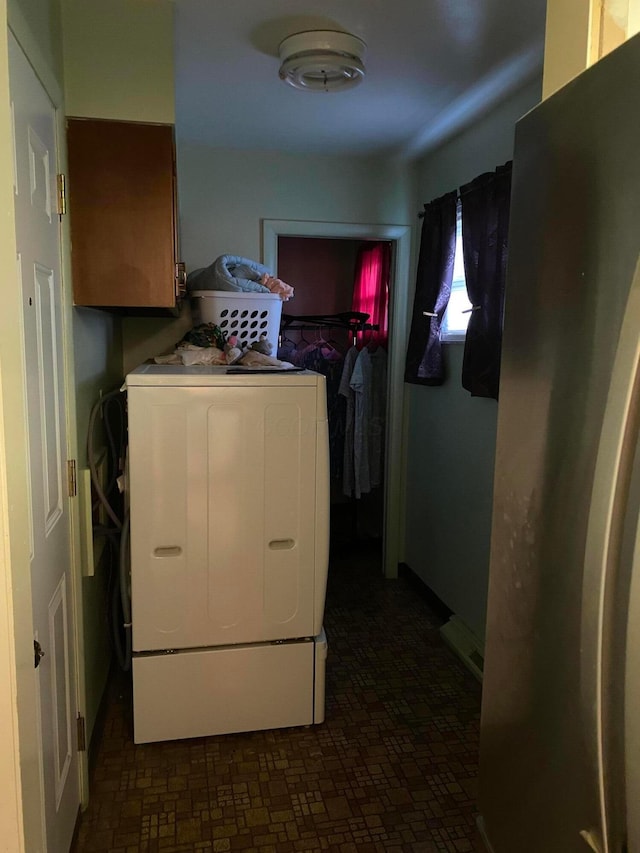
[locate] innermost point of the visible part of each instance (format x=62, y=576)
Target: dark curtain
x=485, y=223
x=433, y=288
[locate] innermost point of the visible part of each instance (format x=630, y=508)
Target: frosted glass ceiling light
x=322, y=60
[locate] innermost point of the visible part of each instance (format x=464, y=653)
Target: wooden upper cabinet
x=122, y=206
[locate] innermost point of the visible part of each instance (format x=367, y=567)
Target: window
x=456, y=317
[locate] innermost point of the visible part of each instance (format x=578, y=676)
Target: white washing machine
x=229, y=502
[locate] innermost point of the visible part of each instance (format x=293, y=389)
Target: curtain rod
x=421, y=215
x=486, y=175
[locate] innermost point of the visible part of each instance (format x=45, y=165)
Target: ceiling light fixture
x=322, y=60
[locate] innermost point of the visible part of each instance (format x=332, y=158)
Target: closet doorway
x=276, y=233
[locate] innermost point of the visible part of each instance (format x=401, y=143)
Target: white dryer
x=229, y=503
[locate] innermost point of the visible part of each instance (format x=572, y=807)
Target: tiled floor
x=393, y=768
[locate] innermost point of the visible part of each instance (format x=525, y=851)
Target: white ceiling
x=432, y=66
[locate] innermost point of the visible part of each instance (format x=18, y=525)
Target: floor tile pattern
x=393, y=768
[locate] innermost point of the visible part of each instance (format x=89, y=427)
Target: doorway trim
x=400, y=236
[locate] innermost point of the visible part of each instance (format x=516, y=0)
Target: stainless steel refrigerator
x=560, y=734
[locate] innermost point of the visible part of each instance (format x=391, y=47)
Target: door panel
x=47, y=335
x=38, y=243
x=60, y=688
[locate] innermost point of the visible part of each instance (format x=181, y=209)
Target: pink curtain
x=371, y=290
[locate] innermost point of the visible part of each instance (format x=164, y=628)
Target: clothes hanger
x=285, y=339
x=302, y=340
x=327, y=349
x=372, y=341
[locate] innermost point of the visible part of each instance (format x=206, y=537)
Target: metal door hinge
x=62, y=195
x=82, y=734
x=72, y=479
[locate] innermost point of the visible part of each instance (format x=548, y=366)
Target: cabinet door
x=122, y=209
x=223, y=503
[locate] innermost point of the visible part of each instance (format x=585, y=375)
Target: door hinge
x=62, y=195
x=72, y=479
x=82, y=734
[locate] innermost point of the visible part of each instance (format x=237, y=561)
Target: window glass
x=456, y=317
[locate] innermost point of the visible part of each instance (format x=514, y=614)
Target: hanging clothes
x=324, y=358
x=356, y=402
x=364, y=387
x=360, y=383
x=287, y=351
x=346, y=391
x=377, y=414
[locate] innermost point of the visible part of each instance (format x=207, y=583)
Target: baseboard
x=436, y=604
x=460, y=639
x=465, y=644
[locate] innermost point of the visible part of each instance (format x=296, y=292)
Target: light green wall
x=98, y=346
x=224, y=195
x=37, y=26
x=118, y=59
x=451, y=435
x=98, y=359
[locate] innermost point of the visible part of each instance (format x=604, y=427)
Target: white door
x=38, y=245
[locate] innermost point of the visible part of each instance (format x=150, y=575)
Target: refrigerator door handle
x=604, y=532
x=631, y=704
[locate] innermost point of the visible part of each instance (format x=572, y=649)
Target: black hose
x=117, y=452
x=92, y=462
x=121, y=646
x=118, y=536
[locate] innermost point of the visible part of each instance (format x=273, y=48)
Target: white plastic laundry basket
x=246, y=315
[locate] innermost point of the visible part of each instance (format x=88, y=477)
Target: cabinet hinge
x=181, y=280
x=82, y=734
x=62, y=195
x=72, y=479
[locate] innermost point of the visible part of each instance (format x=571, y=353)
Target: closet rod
x=354, y=327
x=308, y=327
x=343, y=318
